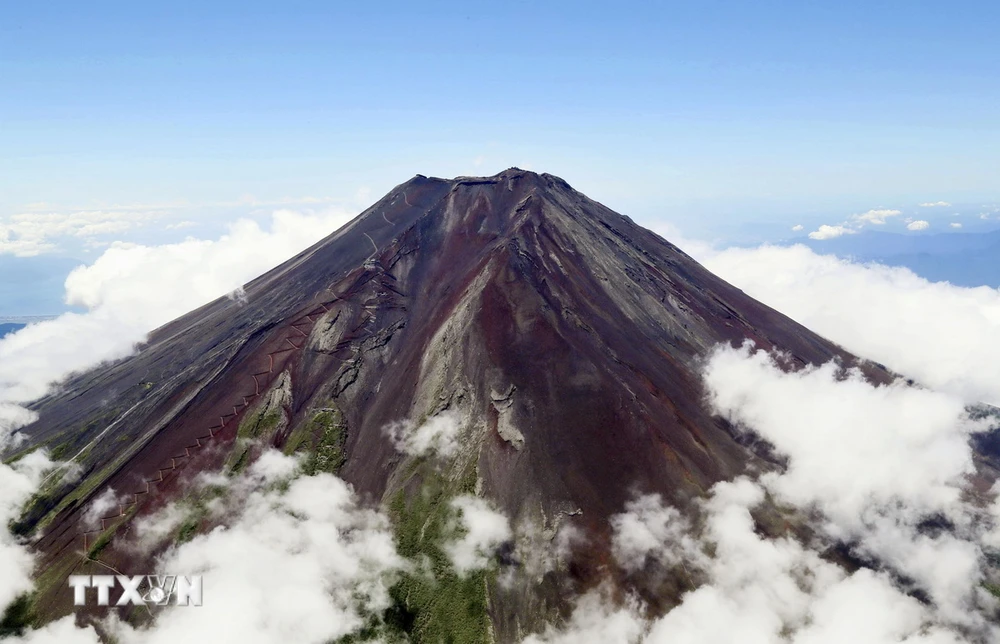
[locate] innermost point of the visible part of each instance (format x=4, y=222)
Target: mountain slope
x=565, y=338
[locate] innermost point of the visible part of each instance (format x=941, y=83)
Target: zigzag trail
x=164, y=472
x=260, y=381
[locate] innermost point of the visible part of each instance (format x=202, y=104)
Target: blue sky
x=728, y=119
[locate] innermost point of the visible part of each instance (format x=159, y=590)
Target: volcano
x=567, y=339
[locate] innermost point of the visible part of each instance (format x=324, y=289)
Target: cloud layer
x=943, y=336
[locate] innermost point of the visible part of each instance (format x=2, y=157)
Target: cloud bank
x=943, y=336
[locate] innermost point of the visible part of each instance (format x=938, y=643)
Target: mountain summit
x=562, y=339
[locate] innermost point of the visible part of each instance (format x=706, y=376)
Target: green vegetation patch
x=323, y=438
x=187, y=530
x=79, y=492
x=56, y=494
x=100, y=544
x=260, y=425
x=18, y=616
x=430, y=603
x=196, y=511
x=330, y=436
x=993, y=589
x=434, y=603
x=16, y=456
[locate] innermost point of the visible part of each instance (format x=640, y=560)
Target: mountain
x=9, y=327
x=963, y=259
x=565, y=337
x=14, y=323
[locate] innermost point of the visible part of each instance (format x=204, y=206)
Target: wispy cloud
x=438, y=434
x=877, y=217
x=855, y=223
x=32, y=233
x=44, y=228
x=830, y=232
x=483, y=530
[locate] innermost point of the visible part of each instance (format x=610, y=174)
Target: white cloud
x=483, y=530
x=539, y=550
x=61, y=631
x=31, y=233
x=128, y=291
x=102, y=506
x=648, y=528
x=830, y=232
x=155, y=529
x=876, y=461
x=132, y=289
x=935, y=204
x=43, y=227
x=865, y=445
x=797, y=227
x=919, y=224
x=944, y=336
x=327, y=557
x=776, y=590
x=596, y=621
x=761, y=590
x=877, y=217
x=17, y=483
x=19, y=247
x=955, y=224
x=438, y=434
x=299, y=562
